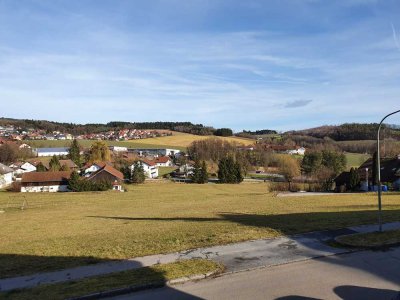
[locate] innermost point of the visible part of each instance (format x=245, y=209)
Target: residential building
x=163, y=161
x=155, y=152
x=93, y=167
x=6, y=175
x=23, y=167
x=149, y=167
x=45, y=181
x=109, y=174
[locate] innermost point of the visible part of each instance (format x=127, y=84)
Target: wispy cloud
x=396, y=41
x=297, y=103
x=144, y=65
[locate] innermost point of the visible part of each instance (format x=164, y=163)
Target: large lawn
x=68, y=229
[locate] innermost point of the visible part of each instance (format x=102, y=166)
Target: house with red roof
x=163, y=161
x=109, y=174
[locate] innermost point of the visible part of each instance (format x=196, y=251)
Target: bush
x=14, y=187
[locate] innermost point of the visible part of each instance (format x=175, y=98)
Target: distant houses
x=155, y=151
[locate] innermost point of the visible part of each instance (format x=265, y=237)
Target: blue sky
x=240, y=64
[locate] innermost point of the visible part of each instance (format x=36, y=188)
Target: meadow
x=177, y=141
x=354, y=160
x=61, y=230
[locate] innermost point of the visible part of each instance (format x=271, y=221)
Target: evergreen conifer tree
x=74, y=153
x=138, y=173
x=40, y=168
x=354, y=179
x=204, y=173
x=54, y=164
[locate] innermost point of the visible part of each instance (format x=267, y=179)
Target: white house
x=163, y=161
x=186, y=169
x=6, y=175
x=118, y=149
x=35, y=182
x=22, y=167
x=149, y=167
x=298, y=151
x=52, y=151
x=92, y=168
x=155, y=152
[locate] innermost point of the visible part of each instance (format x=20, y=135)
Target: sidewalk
x=236, y=257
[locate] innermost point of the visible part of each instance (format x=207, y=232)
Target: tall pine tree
x=54, y=164
x=74, y=153
x=138, y=173
x=229, y=171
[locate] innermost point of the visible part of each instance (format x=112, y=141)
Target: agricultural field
x=178, y=140
x=42, y=232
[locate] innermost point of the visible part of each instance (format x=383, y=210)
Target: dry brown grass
x=68, y=229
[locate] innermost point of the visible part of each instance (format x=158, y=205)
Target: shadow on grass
x=285, y=223
x=75, y=283
x=385, y=267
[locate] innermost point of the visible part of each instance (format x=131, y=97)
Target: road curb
x=137, y=288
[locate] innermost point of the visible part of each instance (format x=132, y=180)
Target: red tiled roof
x=109, y=169
x=68, y=162
x=162, y=159
x=148, y=162
x=46, y=176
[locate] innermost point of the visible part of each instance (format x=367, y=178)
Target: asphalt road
x=360, y=275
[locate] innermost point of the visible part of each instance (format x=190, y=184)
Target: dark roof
x=390, y=169
x=46, y=176
x=343, y=178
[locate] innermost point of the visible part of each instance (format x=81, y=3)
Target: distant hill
x=349, y=132
x=78, y=129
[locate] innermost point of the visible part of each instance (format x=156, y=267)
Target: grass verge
x=157, y=275
x=371, y=239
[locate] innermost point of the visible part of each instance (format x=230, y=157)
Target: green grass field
x=165, y=170
x=354, y=160
x=177, y=141
x=69, y=229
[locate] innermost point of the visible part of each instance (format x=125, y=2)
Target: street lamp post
x=378, y=164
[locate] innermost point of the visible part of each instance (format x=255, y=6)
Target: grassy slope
x=356, y=159
x=177, y=140
x=69, y=229
x=158, y=274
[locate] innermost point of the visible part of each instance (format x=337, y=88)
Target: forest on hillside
x=350, y=132
x=78, y=129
